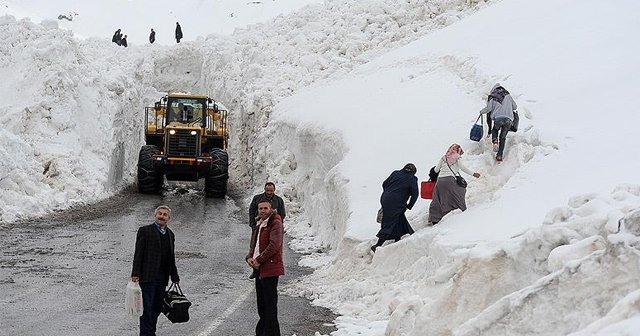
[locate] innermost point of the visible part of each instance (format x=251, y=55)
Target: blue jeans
x=152, y=295
x=502, y=125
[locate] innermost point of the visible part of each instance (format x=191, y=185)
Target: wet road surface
x=66, y=274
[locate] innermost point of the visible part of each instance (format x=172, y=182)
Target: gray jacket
x=497, y=109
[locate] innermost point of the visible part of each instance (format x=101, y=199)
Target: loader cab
x=186, y=110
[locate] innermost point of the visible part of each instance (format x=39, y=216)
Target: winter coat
x=117, y=36
x=401, y=186
x=147, y=255
x=500, y=108
x=178, y=33
x=271, y=244
x=276, y=203
x=152, y=37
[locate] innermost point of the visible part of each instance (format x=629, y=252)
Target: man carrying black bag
x=154, y=262
x=175, y=305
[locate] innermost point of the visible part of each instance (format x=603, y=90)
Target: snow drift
x=326, y=102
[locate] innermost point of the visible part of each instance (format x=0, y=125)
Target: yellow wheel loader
x=186, y=140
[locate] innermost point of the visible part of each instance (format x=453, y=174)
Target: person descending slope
x=501, y=106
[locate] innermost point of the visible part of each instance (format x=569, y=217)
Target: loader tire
x=149, y=178
x=215, y=184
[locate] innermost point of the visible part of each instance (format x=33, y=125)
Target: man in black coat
x=269, y=194
x=117, y=37
x=123, y=42
x=277, y=204
x=178, y=32
x=152, y=36
x=154, y=262
x=401, y=186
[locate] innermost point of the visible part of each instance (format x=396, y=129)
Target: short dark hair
x=270, y=184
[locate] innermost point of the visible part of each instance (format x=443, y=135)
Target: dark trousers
x=489, y=120
x=501, y=125
x=384, y=238
x=267, y=298
x=152, y=295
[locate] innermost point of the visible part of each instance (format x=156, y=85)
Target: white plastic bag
x=133, y=300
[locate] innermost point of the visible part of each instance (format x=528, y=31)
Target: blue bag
x=476, y=130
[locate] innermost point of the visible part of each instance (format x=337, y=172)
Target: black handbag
x=516, y=121
x=459, y=179
x=175, y=306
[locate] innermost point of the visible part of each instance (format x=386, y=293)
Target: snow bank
x=317, y=45
x=363, y=102
x=87, y=156
x=422, y=286
x=68, y=119
x=508, y=262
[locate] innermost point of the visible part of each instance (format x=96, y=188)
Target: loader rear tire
x=215, y=184
x=149, y=178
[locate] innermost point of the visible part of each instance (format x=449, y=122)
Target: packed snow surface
x=327, y=101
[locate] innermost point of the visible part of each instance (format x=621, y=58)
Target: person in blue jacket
x=398, y=189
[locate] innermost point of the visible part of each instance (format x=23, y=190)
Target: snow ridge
x=492, y=288
x=65, y=155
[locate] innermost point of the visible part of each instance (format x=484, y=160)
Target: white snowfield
x=327, y=101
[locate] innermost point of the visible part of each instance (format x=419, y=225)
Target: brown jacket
x=271, y=243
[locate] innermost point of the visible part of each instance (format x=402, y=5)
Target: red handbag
x=426, y=189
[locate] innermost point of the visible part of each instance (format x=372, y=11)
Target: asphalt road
x=66, y=274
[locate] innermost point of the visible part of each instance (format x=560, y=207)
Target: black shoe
x=252, y=275
x=373, y=248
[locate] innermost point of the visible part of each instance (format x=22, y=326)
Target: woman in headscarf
x=398, y=189
x=448, y=195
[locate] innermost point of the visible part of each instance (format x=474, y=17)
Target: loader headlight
x=194, y=132
x=172, y=132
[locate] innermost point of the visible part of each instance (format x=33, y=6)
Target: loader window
x=186, y=110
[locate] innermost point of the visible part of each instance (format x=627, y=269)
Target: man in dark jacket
x=269, y=194
x=123, y=42
x=154, y=262
x=401, y=186
x=265, y=256
x=178, y=32
x=117, y=36
x=152, y=36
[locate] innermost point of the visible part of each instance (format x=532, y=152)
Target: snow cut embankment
x=578, y=266
x=69, y=132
